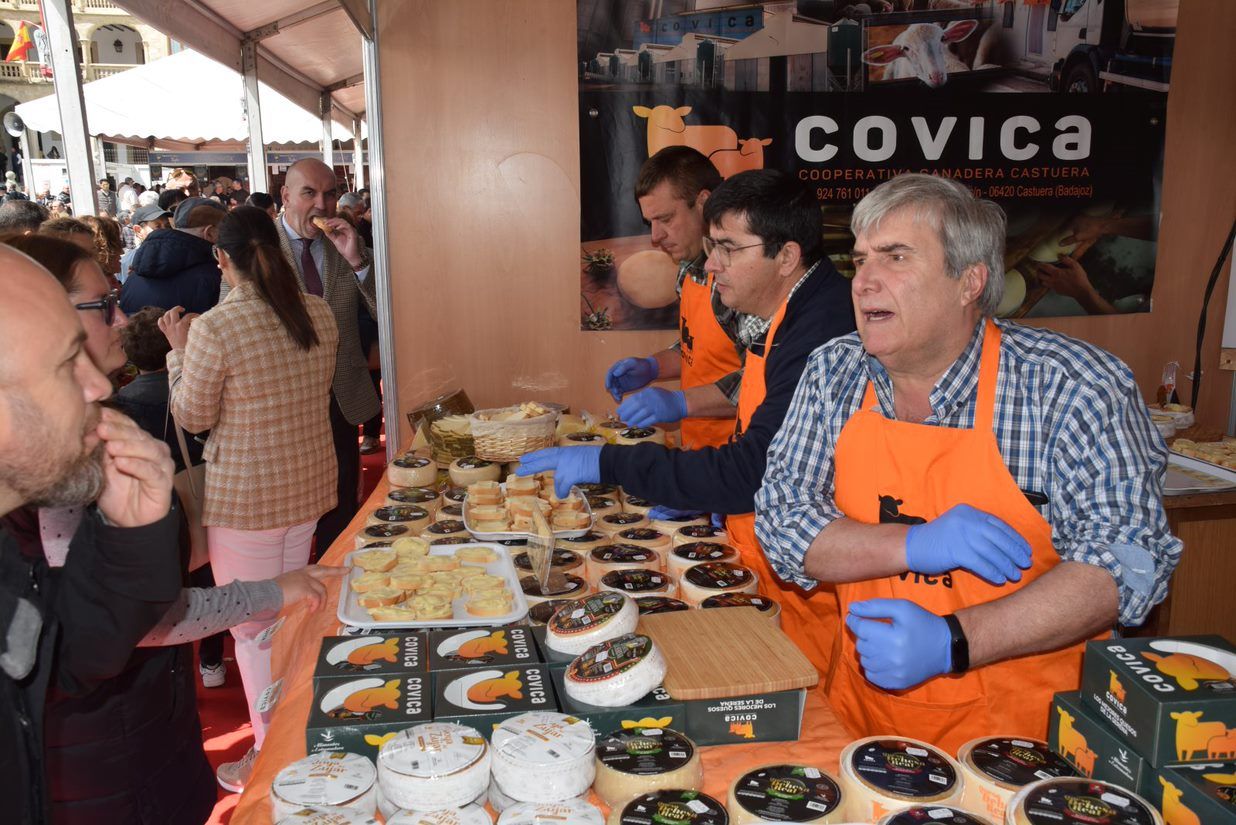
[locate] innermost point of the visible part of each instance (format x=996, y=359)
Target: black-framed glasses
x=107, y=305
x=724, y=251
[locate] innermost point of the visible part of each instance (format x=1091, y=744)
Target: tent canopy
x=183, y=101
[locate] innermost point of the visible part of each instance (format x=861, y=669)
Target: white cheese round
x=714, y=578
x=996, y=767
x=615, y=672
x=640, y=435
x=886, y=773
x=326, y=815
x=636, y=761
x=1052, y=801
x=341, y=780
x=638, y=583
x=543, y=756
x=688, y=555
x=573, y=587
x=682, y=807
x=610, y=557
x=389, y=809
x=469, y=470
x=935, y=815
x=414, y=518
x=615, y=523
x=582, y=623
x=785, y=793
x=424, y=497
x=570, y=812
x=698, y=532
x=767, y=606
x=467, y=815
x=412, y=471
x=434, y=766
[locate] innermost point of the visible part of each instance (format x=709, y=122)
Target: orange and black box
x=359, y=714
x=1093, y=747
x=1203, y=793
x=487, y=647
x=482, y=697
x=398, y=653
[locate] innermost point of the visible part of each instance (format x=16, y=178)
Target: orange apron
x=809, y=618
x=708, y=355
x=891, y=472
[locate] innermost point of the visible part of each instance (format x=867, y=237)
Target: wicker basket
x=506, y=441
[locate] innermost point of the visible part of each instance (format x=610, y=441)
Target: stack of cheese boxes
x=1157, y=716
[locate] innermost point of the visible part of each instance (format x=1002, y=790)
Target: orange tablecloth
x=295, y=651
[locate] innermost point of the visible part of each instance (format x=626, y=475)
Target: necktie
x=309, y=270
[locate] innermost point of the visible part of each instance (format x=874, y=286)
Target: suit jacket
x=270, y=459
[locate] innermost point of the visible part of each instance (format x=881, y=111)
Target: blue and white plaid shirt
x=1069, y=422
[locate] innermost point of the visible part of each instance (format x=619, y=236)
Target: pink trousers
x=253, y=555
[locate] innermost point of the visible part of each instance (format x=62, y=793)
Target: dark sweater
x=725, y=479
x=172, y=268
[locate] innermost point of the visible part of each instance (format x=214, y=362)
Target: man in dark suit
x=335, y=265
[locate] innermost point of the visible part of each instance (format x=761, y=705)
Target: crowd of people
x=230, y=335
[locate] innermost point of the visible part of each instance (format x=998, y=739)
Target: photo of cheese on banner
x=484, y=689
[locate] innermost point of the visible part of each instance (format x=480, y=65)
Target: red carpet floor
x=225, y=719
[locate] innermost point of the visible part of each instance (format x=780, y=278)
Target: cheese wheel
x=614, y=523
x=638, y=583
x=610, y=557
x=412, y=471
x=635, y=504
x=389, y=810
x=1058, y=800
x=442, y=529
x=581, y=440
x=326, y=815
x=995, y=768
x=649, y=605
x=640, y=435
x=455, y=494
x=424, y=497
x=471, y=814
x=466, y=538
x=610, y=428
x=714, y=578
x=785, y=793
x=767, y=606
x=583, y=544
x=342, y=780
x=434, y=766
x=886, y=773
x=561, y=560
x=1053, y=248
x=599, y=488
x=541, y=612
x=570, y=812
x=381, y=532
x=449, y=511
x=935, y=815
x=615, y=672
x=682, y=807
x=636, y=761
x=543, y=756
x=409, y=515
x=582, y=623
x=692, y=533
x=645, y=537
x=647, y=279
x=603, y=505
x=468, y=470
x=572, y=587
x=685, y=556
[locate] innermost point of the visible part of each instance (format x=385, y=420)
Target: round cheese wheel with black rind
x=582, y=623
x=935, y=815
x=610, y=557
x=765, y=605
x=449, y=512
x=541, y=612
x=470, y=469
x=603, y=506
x=570, y=812
x=640, y=435
x=449, y=527
x=714, y=578
x=412, y=471
x=635, y=761
x=638, y=583
x=615, y=672
x=785, y=793
x=543, y=756
x=598, y=488
x=434, y=766
x=381, y=532
x=582, y=544
x=672, y=524
x=419, y=496
x=671, y=805
x=581, y=440
x=340, y=780
x=688, y=555
x=650, y=605
x=561, y=560
x=996, y=767
x=455, y=494
x=635, y=504
x=885, y=773
x=409, y=515
x=1079, y=799
x=613, y=523
x=573, y=587
x=691, y=533
x=645, y=537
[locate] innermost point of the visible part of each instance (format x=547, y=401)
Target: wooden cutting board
x=732, y=651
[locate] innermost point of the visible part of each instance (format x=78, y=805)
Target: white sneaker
x=233, y=776
x=213, y=676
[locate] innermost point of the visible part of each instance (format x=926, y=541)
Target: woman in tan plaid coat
x=256, y=371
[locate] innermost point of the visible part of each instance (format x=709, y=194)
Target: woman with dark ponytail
x=256, y=371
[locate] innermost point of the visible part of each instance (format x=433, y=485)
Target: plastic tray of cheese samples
x=350, y=612
x=1189, y=474
x=511, y=535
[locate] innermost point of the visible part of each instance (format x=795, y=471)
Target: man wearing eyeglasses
x=765, y=252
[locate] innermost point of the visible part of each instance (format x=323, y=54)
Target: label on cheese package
x=397, y=513
x=673, y=807
x=641, y=534
x=561, y=560
x=933, y=814
x=699, y=532
x=473, y=463
x=649, y=605
x=624, y=518
x=718, y=575
x=645, y=751
x=903, y=769
x=446, y=528
x=412, y=495
x=1017, y=762
x=636, y=581
x=452, y=649
x=385, y=531
x=587, y=613
x=456, y=494
x=610, y=658
x=787, y=793
x=1081, y=800
x=623, y=554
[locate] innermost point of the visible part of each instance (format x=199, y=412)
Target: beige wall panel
x=479, y=108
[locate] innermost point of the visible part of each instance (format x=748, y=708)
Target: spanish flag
x=22, y=44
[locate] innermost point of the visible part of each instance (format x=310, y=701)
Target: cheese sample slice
x=637, y=761
x=640, y=435
x=412, y=471
x=610, y=557
x=714, y=578
x=342, y=780
x=468, y=470
x=434, y=766
x=685, y=556
x=572, y=587
x=570, y=812
x=1080, y=799
x=582, y=544
x=767, y=606
x=682, y=807
x=935, y=815
x=610, y=428
x=543, y=756
x=581, y=440
x=381, y=532
x=424, y=497
x=582, y=623
x=649, y=605
x=414, y=518
x=996, y=767
x=785, y=793
x=885, y=773
x=614, y=523
x=471, y=814
x=638, y=583
x=691, y=533
x=616, y=672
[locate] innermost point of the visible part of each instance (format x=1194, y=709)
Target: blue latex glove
x=718, y=521
x=570, y=466
x=906, y=651
x=669, y=512
x=969, y=539
x=630, y=374
x=653, y=406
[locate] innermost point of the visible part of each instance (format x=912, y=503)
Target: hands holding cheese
x=965, y=538
x=899, y=643
x=570, y=466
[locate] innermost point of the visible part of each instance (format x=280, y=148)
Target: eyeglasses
x=724, y=251
x=107, y=305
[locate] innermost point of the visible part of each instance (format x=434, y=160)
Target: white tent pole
x=259, y=180
x=66, y=72
x=27, y=168
x=358, y=156
x=381, y=244
x=328, y=141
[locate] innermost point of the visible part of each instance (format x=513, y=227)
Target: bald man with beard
x=69, y=630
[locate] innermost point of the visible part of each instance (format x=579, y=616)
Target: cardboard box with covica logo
x=1203, y=793
x=1172, y=699
x=360, y=714
x=482, y=647
x=401, y=653
x=482, y=697
x=1093, y=747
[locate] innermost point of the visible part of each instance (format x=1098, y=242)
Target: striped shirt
x=1069, y=423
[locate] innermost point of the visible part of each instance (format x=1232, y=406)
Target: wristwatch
x=959, y=646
